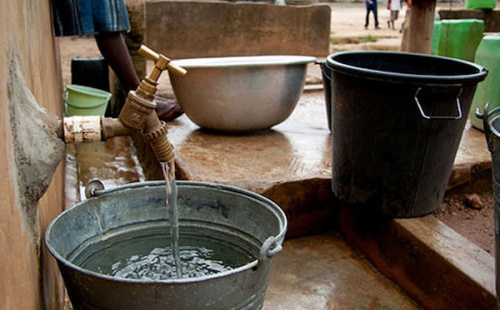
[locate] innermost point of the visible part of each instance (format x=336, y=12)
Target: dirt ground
x=460, y=209
x=469, y=210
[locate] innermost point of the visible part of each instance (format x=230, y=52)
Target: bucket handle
x=439, y=117
x=485, y=116
x=269, y=248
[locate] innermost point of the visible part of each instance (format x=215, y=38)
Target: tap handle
x=161, y=61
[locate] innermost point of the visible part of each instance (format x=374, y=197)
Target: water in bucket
x=148, y=255
x=161, y=254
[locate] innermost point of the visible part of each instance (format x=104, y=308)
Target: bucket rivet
x=93, y=186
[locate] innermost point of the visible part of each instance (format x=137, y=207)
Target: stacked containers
x=435, y=37
x=489, y=91
x=458, y=38
x=480, y=4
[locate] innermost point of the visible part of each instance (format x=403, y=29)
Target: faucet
x=138, y=113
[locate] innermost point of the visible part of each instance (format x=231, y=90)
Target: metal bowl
x=238, y=94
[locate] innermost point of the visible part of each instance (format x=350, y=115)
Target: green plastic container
x=435, y=37
x=459, y=38
x=488, y=91
x=480, y=4
x=84, y=100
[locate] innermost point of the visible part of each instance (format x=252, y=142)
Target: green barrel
x=480, y=4
x=459, y=38
x=489, y=91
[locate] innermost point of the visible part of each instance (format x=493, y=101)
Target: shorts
x=84, y=17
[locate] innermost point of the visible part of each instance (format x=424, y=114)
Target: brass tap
x=139, y=109
x=138, y=113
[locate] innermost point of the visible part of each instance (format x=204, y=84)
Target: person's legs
x=367, y=18
x=375, y=16
x=394, y=17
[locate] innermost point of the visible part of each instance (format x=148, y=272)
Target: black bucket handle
x=439, y=117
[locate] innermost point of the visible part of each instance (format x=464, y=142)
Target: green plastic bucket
x=489, y=91
x=480, y=4
x=84, y=100
x=459, y=38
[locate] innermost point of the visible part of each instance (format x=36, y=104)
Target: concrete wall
x=28, y=74
x=187, y=29
x=491, y=18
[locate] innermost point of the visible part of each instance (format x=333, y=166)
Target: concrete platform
x=313, y=272
x=323, y=272
x=331, y=260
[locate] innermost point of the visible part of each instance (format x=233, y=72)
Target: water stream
x=173, y=213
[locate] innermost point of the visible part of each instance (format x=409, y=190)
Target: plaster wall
x=28, y=74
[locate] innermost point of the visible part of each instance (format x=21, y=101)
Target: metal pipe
x=92, y=128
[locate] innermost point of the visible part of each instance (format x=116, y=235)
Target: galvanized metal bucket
x=223, y=209
x=491, y=125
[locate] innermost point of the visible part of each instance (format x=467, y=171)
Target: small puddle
x=113, y=162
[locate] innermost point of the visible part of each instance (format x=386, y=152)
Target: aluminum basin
x=238, y=94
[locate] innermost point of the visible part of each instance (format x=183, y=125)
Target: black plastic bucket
x=491, y=125
x=397, y=123
x=92, y=72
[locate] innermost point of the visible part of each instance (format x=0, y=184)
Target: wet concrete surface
x=296, y=149
x=323, y=272
x=112, y=162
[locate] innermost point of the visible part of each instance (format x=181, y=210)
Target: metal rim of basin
x=244, y=61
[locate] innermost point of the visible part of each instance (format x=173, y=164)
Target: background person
x=371, y=6
x=393, y=6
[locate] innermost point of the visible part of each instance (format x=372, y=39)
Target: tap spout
x=139, y=113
